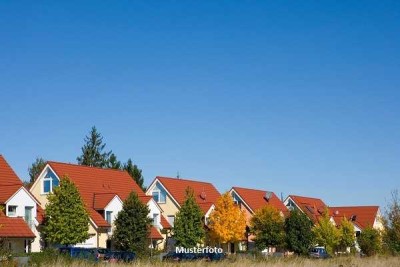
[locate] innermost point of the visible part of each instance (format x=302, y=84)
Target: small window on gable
x=49, y=182
x=109, y=216
x=156, y=196
x=12, y=211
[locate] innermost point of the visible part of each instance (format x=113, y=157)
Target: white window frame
x=13, y=214
x=109, y=212
x=45, y=179
x=158, y=191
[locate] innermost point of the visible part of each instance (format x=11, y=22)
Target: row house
x=20, y=213
x=170, y=194
x=249, y=201
x=103, y=192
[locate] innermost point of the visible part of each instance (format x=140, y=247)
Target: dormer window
x=49, y=182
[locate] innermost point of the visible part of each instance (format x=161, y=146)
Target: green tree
x=268, y=225
x=326, y=234
x=370, y=241
x=188, y=226
x=132, y=226
x=66, y=221
x=347, y=234
x=135, y=173
x=113, y=162
x=299, y=235
x=92, y=151
x=391, y=222
x=36, y=168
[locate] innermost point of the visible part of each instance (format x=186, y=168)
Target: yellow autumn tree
x=227, y=222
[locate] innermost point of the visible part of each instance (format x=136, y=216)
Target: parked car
x=174, y=256
x=318, y=253
x=215, y=256
x=79, y=253
x=119, y=256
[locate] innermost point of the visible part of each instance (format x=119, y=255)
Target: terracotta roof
x=206, y=194
x=6, y=191
x=9, y=181
x=14, y=227
x=255, y=199
x=312, y=207
x=165, y=223
x=39, y=214
x=101, y=200
x=7, y=174
x=362, y=216
x=154, y=233
x=91, y=181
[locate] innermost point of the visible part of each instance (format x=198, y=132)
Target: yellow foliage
x=227, y=222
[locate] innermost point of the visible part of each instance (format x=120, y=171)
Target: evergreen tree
x=347, y=234
x=227, y=222
x=135, y=173
x=326, y=234
x=35, y=169
x=370, y=241
x=67, y=221
x=268, y=225
x=132, y=226
x=113, y=163
x=92, y=151
x=391, y=222
x=298, y=229
x=188, y=226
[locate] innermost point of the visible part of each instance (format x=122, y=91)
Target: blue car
x=319, y=253
x=80, y=253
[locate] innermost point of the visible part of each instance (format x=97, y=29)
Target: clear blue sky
x=299, y=97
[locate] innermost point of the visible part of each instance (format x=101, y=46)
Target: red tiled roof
x=14, y=227
x=6, y=191
x=255, y=199
x=165, y=223
x=7, y=174
x=154, y=233
x=9, y=181
x=92, y=180
x=362, y=216
x=101, y=200
x=39, y=214
x=205, y=193
x=312, y=207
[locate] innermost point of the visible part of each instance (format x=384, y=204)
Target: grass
x=378, y=261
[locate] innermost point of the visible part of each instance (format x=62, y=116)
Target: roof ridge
x=355, y=206
x=183, y=179
x=246, y=188
x=84, y=166
x=306, y=197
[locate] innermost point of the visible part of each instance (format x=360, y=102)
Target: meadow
x=378, y=261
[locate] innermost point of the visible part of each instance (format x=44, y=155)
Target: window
x=108, y=216
x=171, y=220
x=159, y=196
x=155, y=219
x=12, y=211
x=49, y=182
x=156, y=196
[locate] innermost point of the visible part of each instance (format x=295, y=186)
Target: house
x=20, y=213
x=360, y=216
x=170, y=194
x=314, y=208
x=103, y=192
x=250, y=200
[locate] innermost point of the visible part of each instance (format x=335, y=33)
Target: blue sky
x=294, y=97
